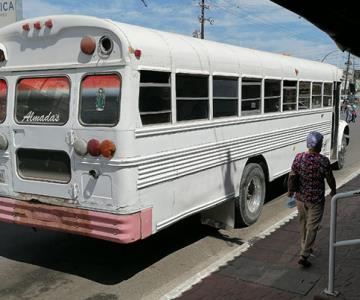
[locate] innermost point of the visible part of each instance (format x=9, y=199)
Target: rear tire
x=339, y=164
x=249, y=205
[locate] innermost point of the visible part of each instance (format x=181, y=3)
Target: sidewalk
x=269, y=269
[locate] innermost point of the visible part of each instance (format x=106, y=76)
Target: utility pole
x=202, y=19
x=346, y=74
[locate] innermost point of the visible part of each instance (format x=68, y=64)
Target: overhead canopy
x=340, y=20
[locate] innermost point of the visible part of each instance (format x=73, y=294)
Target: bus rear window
x=100, y=100
x=3, y=94
x=43, y=100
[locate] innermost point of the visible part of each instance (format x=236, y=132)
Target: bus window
x=250, y=96
x=100, y=100
x=272, y=95
x=155, y=97
x=3, y=95
x=316, y=94
x=43, y=100
x=327, y=99
x=225, y=97
x=192, y=97
x=304, y=95
x=289, y=95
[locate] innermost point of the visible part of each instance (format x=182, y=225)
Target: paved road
x=49, y=265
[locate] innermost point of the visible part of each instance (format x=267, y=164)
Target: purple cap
x=314, y=140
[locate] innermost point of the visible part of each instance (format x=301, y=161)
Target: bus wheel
x=339, y=164
x=249, y=205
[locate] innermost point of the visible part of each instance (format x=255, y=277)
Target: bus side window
x=272, y=95
x=192, y=97
x=289, y=95
x=3, y=100
x=155, y=97
x=225, y=96
x=304, y=95
x=316, y=94
x=327, y=98
x=250, y=96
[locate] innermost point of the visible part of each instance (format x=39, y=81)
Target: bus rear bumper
x=122, y=229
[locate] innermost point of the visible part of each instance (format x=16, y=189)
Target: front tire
x=249, y=205
x=339, y=164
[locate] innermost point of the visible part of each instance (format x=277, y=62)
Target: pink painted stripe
x=122, y=229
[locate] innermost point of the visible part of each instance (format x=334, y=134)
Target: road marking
x=186, y=285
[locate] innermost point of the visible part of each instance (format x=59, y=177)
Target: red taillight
x=49, y=23
x=93, y=147
x=37, y=25
x=107, y=149
x=137, y=53
x=26, y=27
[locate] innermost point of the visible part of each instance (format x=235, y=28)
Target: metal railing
x=333, y=243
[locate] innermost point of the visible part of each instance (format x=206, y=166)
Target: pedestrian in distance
x=307, y=180
x=348, y=114
x=353, y=113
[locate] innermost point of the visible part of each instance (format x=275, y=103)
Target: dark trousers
x=310, y=216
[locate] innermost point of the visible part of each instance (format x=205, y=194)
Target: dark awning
x=340, y=19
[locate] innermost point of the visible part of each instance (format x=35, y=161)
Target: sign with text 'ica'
x=10, y=11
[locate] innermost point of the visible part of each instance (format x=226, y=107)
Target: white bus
x=115, y=131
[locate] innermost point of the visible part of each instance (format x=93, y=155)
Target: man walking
x=307, y=178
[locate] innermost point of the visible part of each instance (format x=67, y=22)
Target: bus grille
x=44, y=165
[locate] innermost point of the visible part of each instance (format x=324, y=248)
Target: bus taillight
x=37, y=25
x=49, y=23
x=88, y=45
x=107, y=149
x=80, y=147
x=93, y=147
x=26, y=27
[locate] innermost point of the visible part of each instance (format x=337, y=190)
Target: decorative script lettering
x=30, y=117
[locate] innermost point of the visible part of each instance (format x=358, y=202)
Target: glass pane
x=154, y=77
x=304, y=103
x=225, y=107
x=327, y=101
x=250, y=91
x=43, y=100
x=316, y=88
x=328, y=89
x=316, y=101
x=288, y=107
x=192, y=109
x=251, y=107
x=3, y=95
x=272, y=105
x=100, y=100
x=304, y=88
x=156, y=118
x=154, y=99
x=191, y=86
x=225, y=87
x=290, y=83
x=272, y=87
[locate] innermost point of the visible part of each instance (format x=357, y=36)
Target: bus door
x=40, y=133
x=335, y=120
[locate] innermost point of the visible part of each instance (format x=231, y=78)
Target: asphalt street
x=46, y=265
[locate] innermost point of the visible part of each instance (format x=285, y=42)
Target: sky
x=257, y=24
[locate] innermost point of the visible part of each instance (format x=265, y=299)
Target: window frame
x=230, y=78
x=42, y=76
x=80, y=93
x=296, y=88
x=331, y=95
x=6, y=98
x=147, y=84
x=260, y=83
x=299, y=96
x=272, y=97
x=208, y=98
x=317, y=95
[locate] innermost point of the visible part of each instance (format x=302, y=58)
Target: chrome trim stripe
x=152, y=130
x=174, y=164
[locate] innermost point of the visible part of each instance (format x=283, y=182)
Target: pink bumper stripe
x=116, y=228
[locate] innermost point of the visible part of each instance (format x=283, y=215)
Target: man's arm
x=330, y=179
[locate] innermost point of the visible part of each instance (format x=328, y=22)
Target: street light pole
x=346, y=74
x=331, y=52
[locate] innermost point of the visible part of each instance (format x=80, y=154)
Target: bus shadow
x=100, y=261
